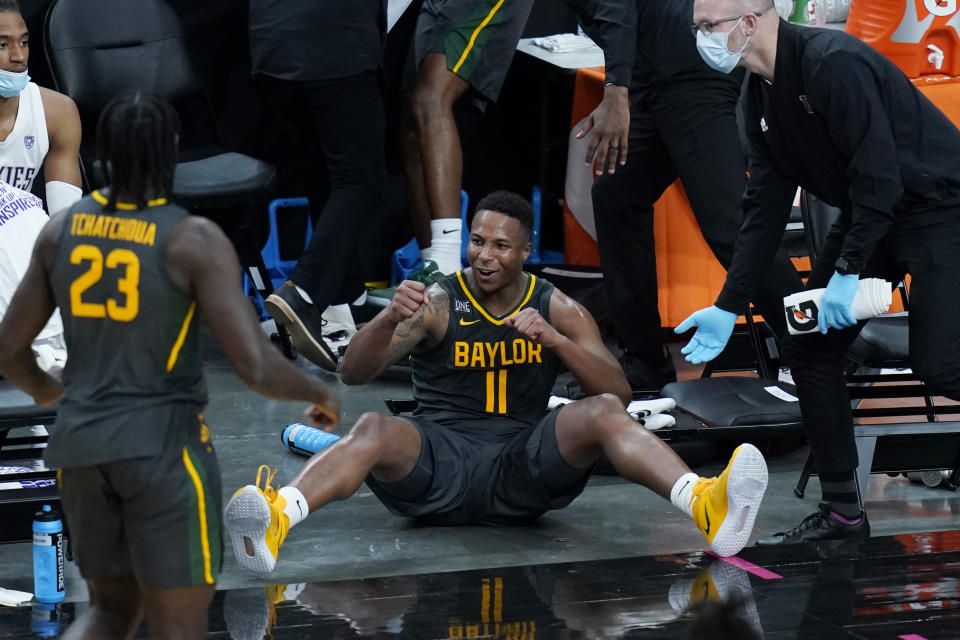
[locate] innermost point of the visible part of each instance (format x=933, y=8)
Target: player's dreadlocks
x=137, y=144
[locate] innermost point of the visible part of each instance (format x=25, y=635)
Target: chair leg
x=801, y=487
x=866, y=446
x=252, y=260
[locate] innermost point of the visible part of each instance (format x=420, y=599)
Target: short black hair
x=137, y=144
x=509, y=204
x=9, y=5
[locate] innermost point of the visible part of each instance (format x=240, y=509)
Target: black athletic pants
x=930, y=253
x=685, y=132
x=343, y=120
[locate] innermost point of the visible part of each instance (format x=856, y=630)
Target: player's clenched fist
x=410, y=296
x=531, y=325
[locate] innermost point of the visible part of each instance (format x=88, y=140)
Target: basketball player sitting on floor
x=485, y=345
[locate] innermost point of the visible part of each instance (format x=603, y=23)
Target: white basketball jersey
x=22, y=153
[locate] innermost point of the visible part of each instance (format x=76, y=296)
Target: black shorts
x=459, y=479
x=155, y=518
x=477, y=37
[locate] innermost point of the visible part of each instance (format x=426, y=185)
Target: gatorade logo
x=940, y=8
x=912, y=28
x=802, y=317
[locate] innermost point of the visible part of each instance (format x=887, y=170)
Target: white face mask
x=12, y=83
x=713, y=49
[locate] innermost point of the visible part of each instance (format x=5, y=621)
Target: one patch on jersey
x=763, y=124
x=28, y=142
x=462, y=306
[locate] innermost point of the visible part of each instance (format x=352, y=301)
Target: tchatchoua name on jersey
x=484, y=355
x=114, y=228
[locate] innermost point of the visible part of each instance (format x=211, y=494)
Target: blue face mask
x=12, y=83
x=713, y=49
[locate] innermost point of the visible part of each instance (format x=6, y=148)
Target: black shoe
x=304, y=322
x=821, y=526
x=648, y=375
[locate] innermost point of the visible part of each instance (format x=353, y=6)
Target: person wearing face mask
x=826, y=111
x=39, y=128
x=682, y=123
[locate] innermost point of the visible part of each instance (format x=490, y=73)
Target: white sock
x=296, y=508
x=304, y=294
x=682, y=493
x=445, y=244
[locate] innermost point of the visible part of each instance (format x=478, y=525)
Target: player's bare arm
x=201, y=259
x=29, y=311
x=415, y=319
x=576, y=340
x=63, y=128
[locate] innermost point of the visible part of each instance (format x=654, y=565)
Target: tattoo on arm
x=424, y=329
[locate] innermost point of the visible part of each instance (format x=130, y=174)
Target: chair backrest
x=818, y=217
x=97, y=48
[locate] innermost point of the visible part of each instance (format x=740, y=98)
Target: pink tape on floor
x=911, y=636
x=749, y=567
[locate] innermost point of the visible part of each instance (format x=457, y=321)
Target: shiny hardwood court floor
x=905, y=586
x=619, y=562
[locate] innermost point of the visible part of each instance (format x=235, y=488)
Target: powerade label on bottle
x=48, y=558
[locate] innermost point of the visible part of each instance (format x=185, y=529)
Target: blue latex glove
x=714, y=327
x=835, y=310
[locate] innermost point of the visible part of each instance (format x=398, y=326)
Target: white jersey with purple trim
x=21, y=219
x=25, y=147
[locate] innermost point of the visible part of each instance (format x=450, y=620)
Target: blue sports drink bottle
x=47, y=556
x=306, y=440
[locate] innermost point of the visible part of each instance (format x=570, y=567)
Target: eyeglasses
x=706, y=28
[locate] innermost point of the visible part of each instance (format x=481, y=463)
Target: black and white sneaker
x=304, y=322
x=821, y=526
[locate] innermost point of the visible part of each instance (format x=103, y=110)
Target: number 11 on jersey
x=497, y=391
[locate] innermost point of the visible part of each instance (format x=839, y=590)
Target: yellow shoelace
x=268, y=490
x=700, y=486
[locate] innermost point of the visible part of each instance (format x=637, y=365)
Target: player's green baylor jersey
x=131, y=333
x=482, y=367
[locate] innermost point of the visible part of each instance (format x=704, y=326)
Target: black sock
x=840, y=492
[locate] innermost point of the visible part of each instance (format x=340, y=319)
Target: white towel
x=14, y=598
x=565, y=43
x=658, y=421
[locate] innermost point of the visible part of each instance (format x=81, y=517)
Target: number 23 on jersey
x=127, y=292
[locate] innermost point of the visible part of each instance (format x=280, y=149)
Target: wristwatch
x=844, y=268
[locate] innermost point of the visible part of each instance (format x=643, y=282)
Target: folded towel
x=565, y=43
x=14, y=598
x=658, y=421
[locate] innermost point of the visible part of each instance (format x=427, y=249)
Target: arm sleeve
x=845, y=89
x=766, y=209
x=60, y=195
x=612, y=24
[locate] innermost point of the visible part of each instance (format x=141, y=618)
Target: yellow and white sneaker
x=257, y=524
x=725, y=507
x=721, y=582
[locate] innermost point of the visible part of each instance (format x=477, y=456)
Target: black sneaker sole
x=316, y=352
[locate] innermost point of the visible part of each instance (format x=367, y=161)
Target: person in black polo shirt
x=316, y=63
x=830, y=113
x=682, y=123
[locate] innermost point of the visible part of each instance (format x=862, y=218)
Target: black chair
x=97, y=48
x=901, y=447
x=762, y=410
x=18, y=505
